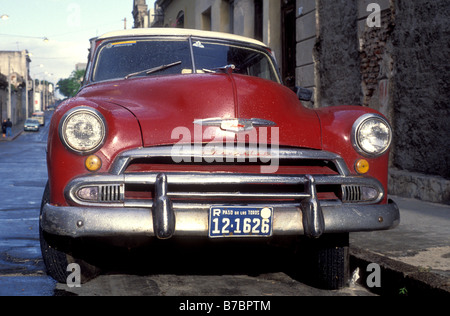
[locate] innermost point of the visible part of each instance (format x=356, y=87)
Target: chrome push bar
x=177, y=213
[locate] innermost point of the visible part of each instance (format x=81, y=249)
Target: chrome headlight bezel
x=100, y=129
x=357, y=142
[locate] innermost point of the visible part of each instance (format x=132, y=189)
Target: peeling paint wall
x=336, y=54
x=400, y=68
x=422, y=92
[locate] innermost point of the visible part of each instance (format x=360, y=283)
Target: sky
x=67, y=24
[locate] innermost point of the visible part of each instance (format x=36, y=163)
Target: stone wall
x=399, y=68
x=338, y=78
x=422, y=91
x=419, y=186
x=377, y=63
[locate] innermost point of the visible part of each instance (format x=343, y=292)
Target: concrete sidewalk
x=414, y=256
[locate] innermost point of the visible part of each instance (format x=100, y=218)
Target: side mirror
x=304, y=94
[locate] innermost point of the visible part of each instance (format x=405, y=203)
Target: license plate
x=237, y=221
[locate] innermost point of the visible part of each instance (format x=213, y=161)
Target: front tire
x=325, y=261
x=58, y=252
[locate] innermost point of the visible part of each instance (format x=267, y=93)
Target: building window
x=289, y=38
x=231, y=12
x=180, y=19
x=258, y=20
x=206, y=20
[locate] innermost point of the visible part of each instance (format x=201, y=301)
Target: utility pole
x=27, y=101
x=8, y=105
x=26, y=93
x=124, y=23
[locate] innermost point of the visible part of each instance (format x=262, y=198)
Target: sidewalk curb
x=397, y=276
x=11, y=139
x=17, y=135
x=429, y=188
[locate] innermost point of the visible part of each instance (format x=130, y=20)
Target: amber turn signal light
x=93, y=163
x=362, y=166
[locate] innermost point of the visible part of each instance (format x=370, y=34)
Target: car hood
x=167, y=106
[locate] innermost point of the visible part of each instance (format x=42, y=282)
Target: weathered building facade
x=391, y=55
x=15, y=87
x=388, y=55
x=142, y=15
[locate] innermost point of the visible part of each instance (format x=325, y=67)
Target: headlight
x=371, y=135
x=83, y=130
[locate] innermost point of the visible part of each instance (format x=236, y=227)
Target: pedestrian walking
x=4, y=128
x=9, y=128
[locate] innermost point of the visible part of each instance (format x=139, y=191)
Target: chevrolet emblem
x=235, y=125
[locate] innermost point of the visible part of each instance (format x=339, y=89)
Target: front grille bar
x=237, y=195
x=198, y=155
x=206, y=181
x=110, y=193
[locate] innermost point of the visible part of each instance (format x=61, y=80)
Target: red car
x=182, y=133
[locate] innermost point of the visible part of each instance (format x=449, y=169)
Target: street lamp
x=4, y=17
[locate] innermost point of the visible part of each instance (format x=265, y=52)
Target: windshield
x=119, y=59
x=152, y=57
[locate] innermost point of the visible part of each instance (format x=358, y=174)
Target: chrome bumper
x=192, y=220
x=186, y=213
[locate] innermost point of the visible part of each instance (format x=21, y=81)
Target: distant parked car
x=40, y=117
x=31, y=125
x=192, y=134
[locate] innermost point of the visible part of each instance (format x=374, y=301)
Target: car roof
x=178, y=32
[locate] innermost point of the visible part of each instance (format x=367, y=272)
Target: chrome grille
x=351, y=193
x=280, y=156
x=120, y=188
x=110, y=193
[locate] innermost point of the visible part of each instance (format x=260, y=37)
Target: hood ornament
x=235, y=125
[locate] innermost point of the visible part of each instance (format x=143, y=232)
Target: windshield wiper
x=225, y=69
x=153, y=70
